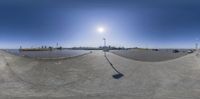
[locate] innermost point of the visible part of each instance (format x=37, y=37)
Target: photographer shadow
x=118, y=74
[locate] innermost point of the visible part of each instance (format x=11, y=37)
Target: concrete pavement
x=91, y=77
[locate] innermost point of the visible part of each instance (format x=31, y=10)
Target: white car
x=189, y=51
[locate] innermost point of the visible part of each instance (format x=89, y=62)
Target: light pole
x=104, y=48
x=196, y=46
x=104, y=39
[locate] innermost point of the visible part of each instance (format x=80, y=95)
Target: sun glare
x=100, y=30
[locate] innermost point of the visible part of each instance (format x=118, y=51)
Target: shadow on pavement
x=118, y=75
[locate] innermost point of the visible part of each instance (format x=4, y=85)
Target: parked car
x=190, y=51
x=175, y=51
x=154, y=49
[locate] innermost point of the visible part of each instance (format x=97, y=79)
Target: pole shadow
x=118, y=74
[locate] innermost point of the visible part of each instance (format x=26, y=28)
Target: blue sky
x=129, y=23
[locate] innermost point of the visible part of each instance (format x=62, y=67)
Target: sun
x=100, y=30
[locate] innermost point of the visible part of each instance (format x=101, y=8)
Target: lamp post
x=196, y=47
x=104, y=48
x=104, y=39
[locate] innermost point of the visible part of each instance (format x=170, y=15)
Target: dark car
x=154, y=49
x=175, y=51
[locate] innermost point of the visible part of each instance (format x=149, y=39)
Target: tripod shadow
x=115, y=76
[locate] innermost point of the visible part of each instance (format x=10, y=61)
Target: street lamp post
x=104, y=47
x=196, y=46
x=104, y=39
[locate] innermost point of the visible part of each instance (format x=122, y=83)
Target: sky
x=128, y=23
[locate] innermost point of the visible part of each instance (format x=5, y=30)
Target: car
x=175, y=51
x=189, y=51
x=154, y=49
